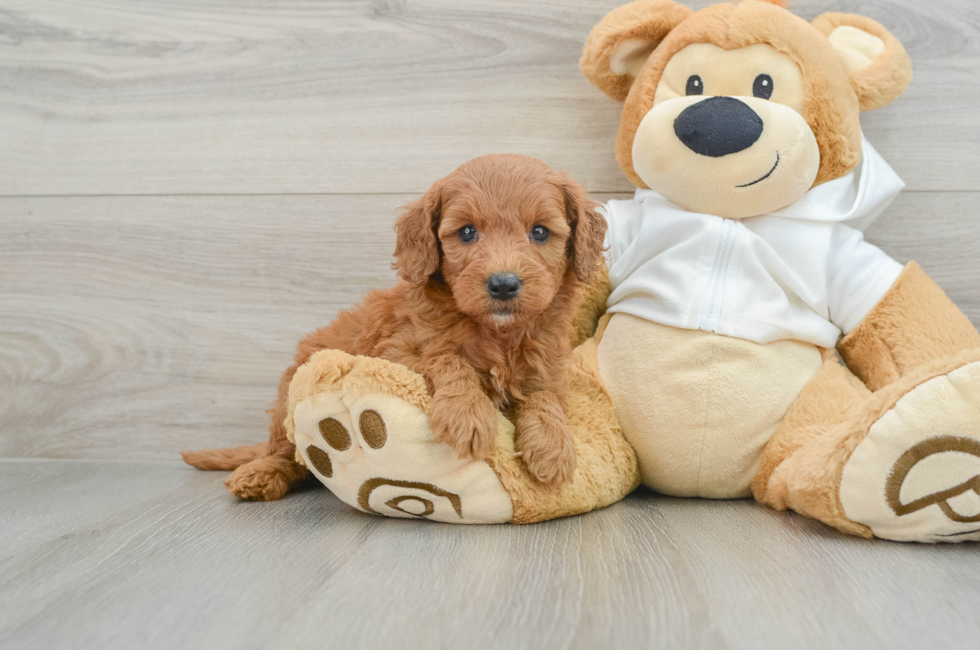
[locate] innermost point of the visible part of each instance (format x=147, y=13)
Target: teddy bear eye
x=762, y=86
x=467, y=234
x=694, y=85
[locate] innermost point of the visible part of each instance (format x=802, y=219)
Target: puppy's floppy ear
x=619, y=45
x=585, y=245
x=417, y=243
x=878, y=65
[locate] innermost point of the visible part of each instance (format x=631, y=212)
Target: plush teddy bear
x=736, y=275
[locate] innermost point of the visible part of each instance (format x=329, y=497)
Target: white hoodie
x=803, y=272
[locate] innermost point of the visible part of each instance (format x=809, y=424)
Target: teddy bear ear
x=878, y=65
x=619, y=45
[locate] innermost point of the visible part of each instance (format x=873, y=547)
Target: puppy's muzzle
x=503, y=286
x=718, y=126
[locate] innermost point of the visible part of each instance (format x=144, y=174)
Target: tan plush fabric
x=828, y=400
x=697, y=407
x=809, y=480
x=857, y=47
x=834, y=95
x=353, y=395
x=645, y=21
x=360, y=424
x=914, y=335
x=593, y=305
x=831, y=107
x=670, y=168
x=925, y=452
x=913, y=324
x=704, y=412
x=880, y=79
x=606, y=469
x=336, y=370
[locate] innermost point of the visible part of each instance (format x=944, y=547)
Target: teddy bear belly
x=697, y=407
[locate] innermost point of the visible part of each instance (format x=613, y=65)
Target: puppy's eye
x=762, y=86
x=467, y=234
x=540, y=234
x=694, y=85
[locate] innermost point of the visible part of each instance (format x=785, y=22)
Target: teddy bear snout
x=718, y=126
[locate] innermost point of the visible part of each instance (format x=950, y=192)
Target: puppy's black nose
x=718, y=126
x=503, y=286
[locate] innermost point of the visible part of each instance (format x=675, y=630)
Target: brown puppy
x=492, y=259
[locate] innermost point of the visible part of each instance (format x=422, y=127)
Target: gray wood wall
x=188, y=187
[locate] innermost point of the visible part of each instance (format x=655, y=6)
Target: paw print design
x=360, y=425
x=960, y=503
x=916, y=475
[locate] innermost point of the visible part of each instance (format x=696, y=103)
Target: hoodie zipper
x=714, y=295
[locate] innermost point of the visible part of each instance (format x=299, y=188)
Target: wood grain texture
x=134, y=327
x=144, y=326
x=153, y=555
x=246, y=96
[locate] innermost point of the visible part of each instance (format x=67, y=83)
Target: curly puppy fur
x=478, y=355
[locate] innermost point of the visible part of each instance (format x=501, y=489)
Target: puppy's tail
x=224, y=459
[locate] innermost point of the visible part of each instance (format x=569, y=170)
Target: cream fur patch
x=775, y=171
x=630, y=56
x=858, y=48
x=916, y=476
x=698, y=408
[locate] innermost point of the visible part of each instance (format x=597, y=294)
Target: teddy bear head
x=738, y=110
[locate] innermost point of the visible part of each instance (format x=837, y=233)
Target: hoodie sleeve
x=858, y=275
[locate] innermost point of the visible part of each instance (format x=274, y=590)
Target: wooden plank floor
x=97, y=554
x=188, y=187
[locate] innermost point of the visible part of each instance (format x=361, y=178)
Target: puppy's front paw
x=467, y=423
x=546, y=444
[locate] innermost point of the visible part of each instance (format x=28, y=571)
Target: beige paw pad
x=916, y=476
x=375, y=451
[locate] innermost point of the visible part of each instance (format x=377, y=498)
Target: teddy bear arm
x=593, y=305
x=914, y=324
x=606, y=465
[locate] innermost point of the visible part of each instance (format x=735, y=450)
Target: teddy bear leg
x=361, y=426
x=922, y=356
x=903, y=462
x=790, y=474
x=912, y=467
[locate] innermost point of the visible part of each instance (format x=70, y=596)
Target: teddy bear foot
x=360, y=425
x=916, y=474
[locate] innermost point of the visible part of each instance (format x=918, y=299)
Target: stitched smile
x=768, y=174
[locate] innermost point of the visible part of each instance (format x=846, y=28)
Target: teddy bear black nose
x=718, y=126
x=503, y=286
